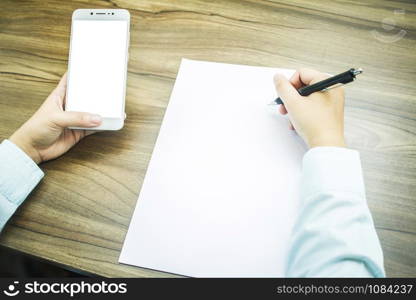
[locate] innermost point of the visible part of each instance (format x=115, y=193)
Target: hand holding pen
x=326, y=84
x=318, y=118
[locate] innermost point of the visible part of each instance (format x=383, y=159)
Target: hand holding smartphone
x=97, y=70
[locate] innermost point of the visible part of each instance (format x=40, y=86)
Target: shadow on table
x=16, y=264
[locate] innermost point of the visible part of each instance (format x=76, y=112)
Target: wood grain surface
x=79, y=214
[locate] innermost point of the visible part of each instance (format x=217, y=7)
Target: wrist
x=26, y=147
x=327, y=141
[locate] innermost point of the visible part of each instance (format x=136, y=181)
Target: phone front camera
x=91, y=14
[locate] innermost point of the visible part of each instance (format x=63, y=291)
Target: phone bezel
x=106, y=15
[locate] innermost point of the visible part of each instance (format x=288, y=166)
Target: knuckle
x=303, y=70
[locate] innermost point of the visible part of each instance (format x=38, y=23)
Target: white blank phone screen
x=97, y=71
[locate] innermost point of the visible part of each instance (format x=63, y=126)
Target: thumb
x=76, y=119
x=286, y=90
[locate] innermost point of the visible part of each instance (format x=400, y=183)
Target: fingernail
x=95, y=119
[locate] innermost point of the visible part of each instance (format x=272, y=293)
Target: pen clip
x=332, y=87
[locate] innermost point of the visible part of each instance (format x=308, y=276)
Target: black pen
x=324, y=85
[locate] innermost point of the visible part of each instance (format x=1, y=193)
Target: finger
x=282, y=109
x=89, y=132
x=81, y=133
x=296, y=81
x=307, y=76
x=286, y=91
x=60, y=89
x=76, y=119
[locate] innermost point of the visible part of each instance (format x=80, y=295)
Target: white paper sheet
x=220, y=194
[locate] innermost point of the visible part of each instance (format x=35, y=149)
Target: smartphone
x=97, y=68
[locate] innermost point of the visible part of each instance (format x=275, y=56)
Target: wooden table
x=79, y=214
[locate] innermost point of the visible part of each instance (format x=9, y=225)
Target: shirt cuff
x=332, y=169
x=19, y=174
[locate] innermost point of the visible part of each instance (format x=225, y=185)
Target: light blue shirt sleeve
x=334, y=235
x=19, y=174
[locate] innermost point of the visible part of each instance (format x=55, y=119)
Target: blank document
x=221, y=192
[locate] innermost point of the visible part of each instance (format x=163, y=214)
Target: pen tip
x=357, y=71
